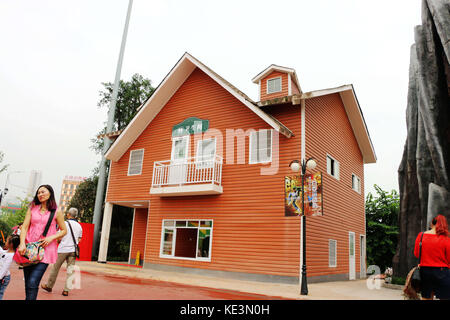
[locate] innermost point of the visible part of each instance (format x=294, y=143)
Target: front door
x=177, y=169
x=351, y=244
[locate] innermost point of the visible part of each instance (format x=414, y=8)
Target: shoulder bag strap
x=73, y=237
x=52, y=214
x=420, y=248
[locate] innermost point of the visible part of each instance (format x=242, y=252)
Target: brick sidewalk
x=339, y=290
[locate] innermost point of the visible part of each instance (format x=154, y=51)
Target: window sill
x=185, y=258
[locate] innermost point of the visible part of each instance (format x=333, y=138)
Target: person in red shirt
x=435, y=260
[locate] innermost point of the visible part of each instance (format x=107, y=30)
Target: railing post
x=214, y=170
x=153, y=175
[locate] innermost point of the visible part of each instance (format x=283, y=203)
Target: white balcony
x=190, y=177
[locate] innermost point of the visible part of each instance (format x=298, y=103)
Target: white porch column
x=106, y=227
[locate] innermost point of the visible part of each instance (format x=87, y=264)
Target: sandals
x=44, y=286
x=65, y=293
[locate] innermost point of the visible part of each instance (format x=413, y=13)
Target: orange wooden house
x=204, y=167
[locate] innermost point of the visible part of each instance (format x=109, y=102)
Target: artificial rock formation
x=424, y=172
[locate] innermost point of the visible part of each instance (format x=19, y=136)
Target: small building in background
x=68, y=189
x=34, y=182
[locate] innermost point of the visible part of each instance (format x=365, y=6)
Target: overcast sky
x=55, y=55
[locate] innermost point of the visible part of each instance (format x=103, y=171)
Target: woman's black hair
x=51, y=202
x=14, y=239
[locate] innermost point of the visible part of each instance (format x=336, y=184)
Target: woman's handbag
x=77, y=248
x=413, y=279
x=34, y=252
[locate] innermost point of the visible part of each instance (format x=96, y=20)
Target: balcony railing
x=189, y=177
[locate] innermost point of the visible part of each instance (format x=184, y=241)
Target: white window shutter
x=135, y=164
x=329, y=165
x=260, y=146
x=253, y=147
x=332, y=253
x=336, y=169
x=273, y=85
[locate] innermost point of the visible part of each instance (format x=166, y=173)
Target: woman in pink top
x=32, y=229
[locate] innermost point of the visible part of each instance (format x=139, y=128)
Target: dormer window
x=273, y=85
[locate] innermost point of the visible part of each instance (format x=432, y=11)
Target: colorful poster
x=313, y=195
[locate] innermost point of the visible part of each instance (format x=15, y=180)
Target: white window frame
x=356, y=179
x=174, y=239
x=141, y=164
x=336, y=167
x=252, y=142
x=200, y=160
x=172, y=154
x=334, y=264
x=272, y=79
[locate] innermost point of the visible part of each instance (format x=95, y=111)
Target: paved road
x=96, y=286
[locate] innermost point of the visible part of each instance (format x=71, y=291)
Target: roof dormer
x=276, y=82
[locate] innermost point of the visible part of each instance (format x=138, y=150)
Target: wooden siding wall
x=328, y=131
x=250, y=232
x=284, y=86
x=139, y=232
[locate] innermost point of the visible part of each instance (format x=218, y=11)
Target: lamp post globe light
x=296, y=166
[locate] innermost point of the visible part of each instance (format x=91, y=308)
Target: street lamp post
x=5, y=189
x=296, y=166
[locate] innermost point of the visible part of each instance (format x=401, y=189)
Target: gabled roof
x=165, y=90
x=352, y=108
x=274, y=67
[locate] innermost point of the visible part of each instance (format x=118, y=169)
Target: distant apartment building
x=34, y=182
x=69, y=186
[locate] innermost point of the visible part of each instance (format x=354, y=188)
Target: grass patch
x=398, y=280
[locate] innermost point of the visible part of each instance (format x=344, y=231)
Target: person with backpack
x=66, y=252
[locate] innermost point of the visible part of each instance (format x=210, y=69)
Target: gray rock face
x=424, y=172
x=438, y=201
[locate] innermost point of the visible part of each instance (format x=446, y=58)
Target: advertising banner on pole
x=313, y=195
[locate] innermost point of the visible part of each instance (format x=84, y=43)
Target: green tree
x=10, y=218
x=131, y=95
x=382, y=227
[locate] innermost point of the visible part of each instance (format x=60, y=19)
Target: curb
x=392, y=286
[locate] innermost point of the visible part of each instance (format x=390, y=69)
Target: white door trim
x=362, y=257
x=351, y=256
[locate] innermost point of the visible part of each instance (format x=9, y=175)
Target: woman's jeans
x=33, y=275
x=3, y=284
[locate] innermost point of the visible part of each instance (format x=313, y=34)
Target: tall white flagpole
x=107, y=141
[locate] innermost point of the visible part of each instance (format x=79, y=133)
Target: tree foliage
x=382, y=227
x=131, y=95
x=11, y=218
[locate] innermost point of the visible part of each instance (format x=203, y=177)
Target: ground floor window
x=186, y=239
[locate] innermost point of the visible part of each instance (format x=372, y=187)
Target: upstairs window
x=332, y=167
x=273, y=85
x=135, y=164
x=261, y=146
x=206, y=150
x=356, y=183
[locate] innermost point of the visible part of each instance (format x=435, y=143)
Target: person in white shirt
x=66, y=252
x=6, y=258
